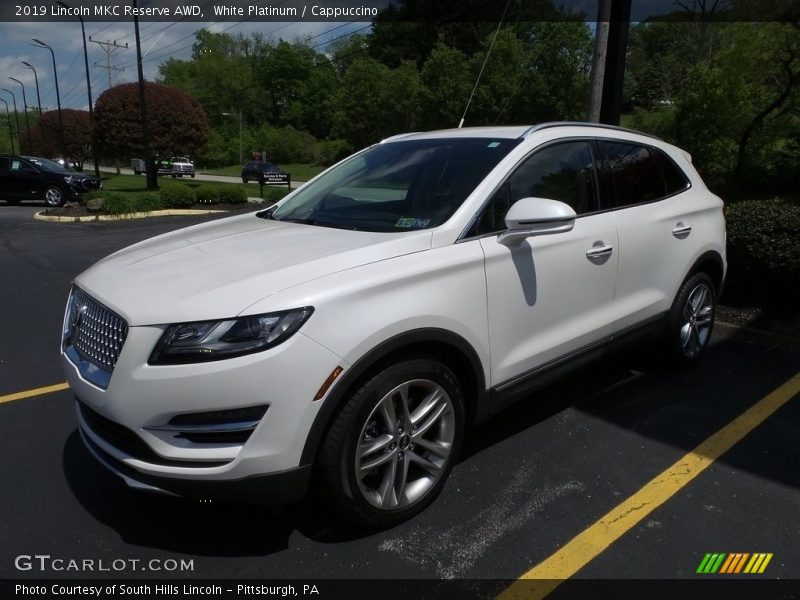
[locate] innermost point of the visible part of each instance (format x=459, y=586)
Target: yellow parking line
x=35, y=392
x=578, y=552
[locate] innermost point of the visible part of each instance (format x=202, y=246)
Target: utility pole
x=150, y=173
x=109, y=48
x=608, y=66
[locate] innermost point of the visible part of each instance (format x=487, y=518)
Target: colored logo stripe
x=721, y=562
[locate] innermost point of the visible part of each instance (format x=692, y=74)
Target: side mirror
x=536, y=216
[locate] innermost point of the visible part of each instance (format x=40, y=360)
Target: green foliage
x=273, y=194
x=123, y=204
x=231, y=194
x=764, y=250
x=328, y=152
x=177, y=195
x=207, y=193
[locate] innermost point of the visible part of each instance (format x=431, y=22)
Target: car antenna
x=483, y=66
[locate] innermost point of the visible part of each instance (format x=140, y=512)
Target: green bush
x=207, y=193
x=118, y=204
x=148, y=201
x=177, y=195
x=273, y=194
x=764, y=251
x=231, y=194
x=123, y=204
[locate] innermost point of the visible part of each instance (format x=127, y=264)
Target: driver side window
x=563, y=171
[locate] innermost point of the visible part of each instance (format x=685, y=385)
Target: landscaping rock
x=71, y=204
x=95, y=204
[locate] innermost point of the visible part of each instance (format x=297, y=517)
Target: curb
x=172, y=212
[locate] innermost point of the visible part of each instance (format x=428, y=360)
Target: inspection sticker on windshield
x=412, y=223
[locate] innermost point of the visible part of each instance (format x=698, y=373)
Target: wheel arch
x=445, y=346
x=710, y=262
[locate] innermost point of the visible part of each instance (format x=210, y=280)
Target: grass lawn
x=299, y=171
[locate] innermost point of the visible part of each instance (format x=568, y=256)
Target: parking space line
x=34, y=392
x=578, y=552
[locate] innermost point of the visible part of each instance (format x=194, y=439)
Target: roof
x=506, y=132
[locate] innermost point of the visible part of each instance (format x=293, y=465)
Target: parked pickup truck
x=175, y=167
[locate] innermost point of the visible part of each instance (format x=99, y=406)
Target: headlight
x=215, y=340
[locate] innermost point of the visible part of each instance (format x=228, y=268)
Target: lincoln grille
x=96, y=332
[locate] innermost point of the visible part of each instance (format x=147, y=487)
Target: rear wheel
x=392, y=446
x=54, y=196
x=691, y=319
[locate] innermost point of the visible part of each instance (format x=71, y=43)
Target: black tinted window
x=562, y=172
x=675, y=179
x=3, y=165
x=634, y=174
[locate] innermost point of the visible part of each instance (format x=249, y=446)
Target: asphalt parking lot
x=530, y=480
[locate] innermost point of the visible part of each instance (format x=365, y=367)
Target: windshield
x=50, y=166
x=397, y=186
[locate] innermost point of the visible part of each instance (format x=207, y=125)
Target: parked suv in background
x=356, y=329
x=32, y=178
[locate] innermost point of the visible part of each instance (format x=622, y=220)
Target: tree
x=77, y=136
x=177, y=123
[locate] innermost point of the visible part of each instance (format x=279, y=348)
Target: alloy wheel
x=698, y=318
x=405, y=444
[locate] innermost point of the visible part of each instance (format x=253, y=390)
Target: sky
x=160, y=41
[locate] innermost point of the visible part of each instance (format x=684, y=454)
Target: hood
x=217, y=270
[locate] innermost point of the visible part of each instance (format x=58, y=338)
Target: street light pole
x=41, y=44
x=25, y=106
x=226, y=114
x=16, y=116
x=88, y=92
x=10, y=132
x=36, y=79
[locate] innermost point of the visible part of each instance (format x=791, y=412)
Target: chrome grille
x=96, y=332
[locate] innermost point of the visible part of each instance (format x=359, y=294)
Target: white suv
x=362, y=324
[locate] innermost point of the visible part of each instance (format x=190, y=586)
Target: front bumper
x=280, y=488
x=141, y=398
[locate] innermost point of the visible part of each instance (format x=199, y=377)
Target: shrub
x=207, y=193
x=123, y=204
x=764, y=251
x=231, y=194
x=273, y=194
x=118, y=204
x=177, y=195
x=148, y=201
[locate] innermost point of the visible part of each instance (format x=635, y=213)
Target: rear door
x=656, y=212
x=24, y=180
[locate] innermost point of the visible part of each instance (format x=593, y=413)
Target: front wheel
x=691, y=319
x=54, y=196
x=392, y=446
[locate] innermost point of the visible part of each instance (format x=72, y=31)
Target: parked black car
x=32, y=178
x=263, y=169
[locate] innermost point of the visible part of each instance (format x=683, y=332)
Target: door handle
x=599, y=252
x=681, y=231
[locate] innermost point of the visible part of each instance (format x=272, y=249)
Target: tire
x=691, y=320
x=412, y=455
x=192, y=175
x=54, y=196
x=245, y=180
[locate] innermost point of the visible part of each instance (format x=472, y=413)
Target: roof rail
x=551, y=124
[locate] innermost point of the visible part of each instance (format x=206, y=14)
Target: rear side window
x=634, y=173
x=674, y=179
